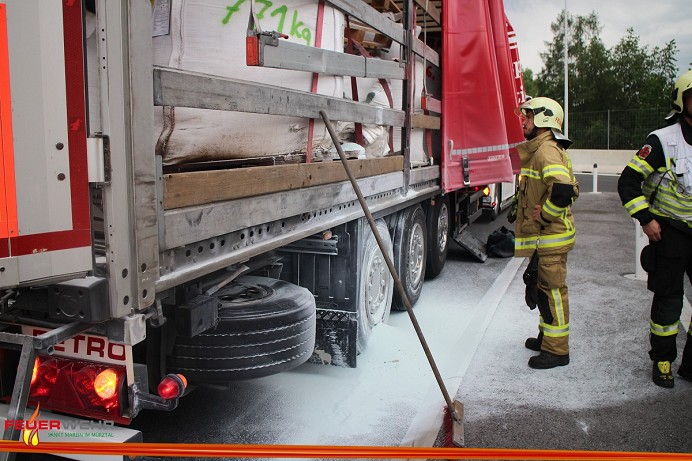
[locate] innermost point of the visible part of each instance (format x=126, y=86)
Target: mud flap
x=336, y=339
x=471, y=244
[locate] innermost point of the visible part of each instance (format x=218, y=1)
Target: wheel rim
x=442, y=228
x=377, y=289
x=240, y=294
x=416, y=254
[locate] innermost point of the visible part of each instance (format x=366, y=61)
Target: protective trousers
x=667, y=261
x=553, y=303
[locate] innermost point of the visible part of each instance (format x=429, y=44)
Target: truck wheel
x=410, y=254
x=376, y=284
x=265, y=326
x=438, y=236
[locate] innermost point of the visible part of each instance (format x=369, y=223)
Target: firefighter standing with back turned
x=545, y=222
x=656, y=188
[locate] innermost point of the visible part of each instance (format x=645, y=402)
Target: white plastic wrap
x=209, y=36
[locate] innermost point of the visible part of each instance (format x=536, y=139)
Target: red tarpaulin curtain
x=478, y=95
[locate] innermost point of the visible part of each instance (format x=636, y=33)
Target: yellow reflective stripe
x=636, y=204
x=556, y=240
x=562, y=328
x=671, y=205
x=546, y=241
x=559, y=308
x=668, y=202
x=671, y=194
x=562, y=242
x=555, y=331
x=524, y=242
x=553, y=210
x=640, y=166
x=668, y=215
x=556, y=170
x=663, y=330
x=529, y=173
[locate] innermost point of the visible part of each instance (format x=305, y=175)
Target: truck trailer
x=172, y=211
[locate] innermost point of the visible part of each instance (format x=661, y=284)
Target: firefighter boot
x=661, y=374
x=546, y=360
x=534, y=343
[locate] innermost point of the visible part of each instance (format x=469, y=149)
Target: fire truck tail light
x=80, y=388
x=44, y=376
x=34, y=373
x=106, y=383
x=172, y=386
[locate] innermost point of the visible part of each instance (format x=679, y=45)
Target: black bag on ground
x=531, y=281
x=500, y=243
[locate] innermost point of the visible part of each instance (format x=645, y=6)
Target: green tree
x=585, y=53
x=629, y=76
x=645, y=77
x=530, y=83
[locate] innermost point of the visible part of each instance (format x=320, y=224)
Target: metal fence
x=614, y=129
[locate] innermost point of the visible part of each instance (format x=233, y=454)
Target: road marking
x=426, y=424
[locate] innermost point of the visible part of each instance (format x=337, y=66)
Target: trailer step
x=473, y=245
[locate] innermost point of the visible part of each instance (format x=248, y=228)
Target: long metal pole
x=566, y=45
x=608, y=125
x=392, y=270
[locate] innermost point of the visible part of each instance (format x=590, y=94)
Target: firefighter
x=544, y=222
x=656, y=188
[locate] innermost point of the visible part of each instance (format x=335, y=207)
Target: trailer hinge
x=271, y=38
x=99, y=159
x=465, y=170
x=155, y=315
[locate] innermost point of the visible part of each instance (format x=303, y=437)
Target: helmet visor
x=535, y=111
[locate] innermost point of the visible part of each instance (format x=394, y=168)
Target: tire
x=410, y=250
x=438, y=236
x=265, y=326
x=376, y=285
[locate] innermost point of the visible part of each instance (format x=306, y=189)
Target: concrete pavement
x=604, y=399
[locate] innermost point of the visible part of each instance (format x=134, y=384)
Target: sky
x=655, y=22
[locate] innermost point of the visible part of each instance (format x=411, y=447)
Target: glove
x=531, y=280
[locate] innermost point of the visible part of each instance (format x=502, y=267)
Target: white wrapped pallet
x=208, y=36
x=422, y=79
x=376, y=137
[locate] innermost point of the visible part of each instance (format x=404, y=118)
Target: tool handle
x=390, y=265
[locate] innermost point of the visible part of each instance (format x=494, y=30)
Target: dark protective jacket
x=657, y=182
x=546, y=179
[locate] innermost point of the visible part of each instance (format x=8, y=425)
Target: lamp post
x=566, y=124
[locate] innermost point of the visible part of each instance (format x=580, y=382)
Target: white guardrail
x=608, y=161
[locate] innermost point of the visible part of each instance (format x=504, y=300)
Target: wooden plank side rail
x=429, y=122
x=201, y=187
